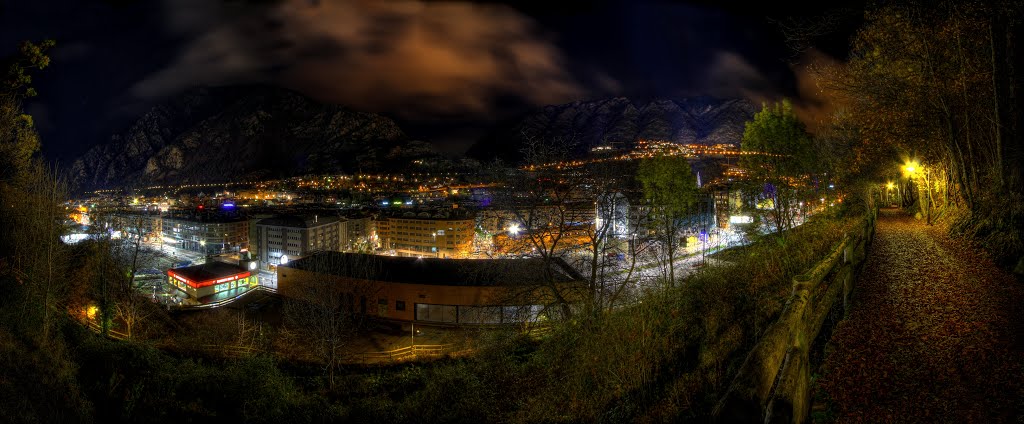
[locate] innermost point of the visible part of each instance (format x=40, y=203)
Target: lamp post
x=888, y=191
x=913, y=168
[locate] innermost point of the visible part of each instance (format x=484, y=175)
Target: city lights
x=489, y=211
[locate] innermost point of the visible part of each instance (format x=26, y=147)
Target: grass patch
x=668, y=358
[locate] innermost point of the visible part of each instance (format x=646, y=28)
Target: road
x=650, y=272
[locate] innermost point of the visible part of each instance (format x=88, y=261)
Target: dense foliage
x=933, y=84
x=779, y=155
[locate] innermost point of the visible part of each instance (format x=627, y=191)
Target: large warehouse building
x=444, y=291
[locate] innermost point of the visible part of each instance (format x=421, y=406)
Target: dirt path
x=935, y=334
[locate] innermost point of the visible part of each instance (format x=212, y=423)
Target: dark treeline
x=938, y=84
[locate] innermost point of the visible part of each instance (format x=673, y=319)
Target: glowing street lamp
x=911, y=167
x=513, y=229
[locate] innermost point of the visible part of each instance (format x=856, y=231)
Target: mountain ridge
x=253, y=132
x=230, y=133
x=620, y=122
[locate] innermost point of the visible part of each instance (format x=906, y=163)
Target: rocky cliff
x=620, y=123
x=237, y=133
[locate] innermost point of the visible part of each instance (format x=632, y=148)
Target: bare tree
x=130, y=305
x=33, y=222
x=324, y=311
x=224, y=330
x=557, y=208
x=548, y=212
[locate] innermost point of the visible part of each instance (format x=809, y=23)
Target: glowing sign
x=740, y=219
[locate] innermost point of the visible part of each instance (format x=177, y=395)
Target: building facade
x=423, y=235
x=360, y=233
x=289, y=237
x=130, y=224
x=207, y=234
x=213, y=277
x=431, y=290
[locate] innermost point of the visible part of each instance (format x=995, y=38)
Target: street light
x=911, y=167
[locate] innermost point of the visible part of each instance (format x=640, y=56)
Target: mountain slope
x=237, y=133
x=619, y=122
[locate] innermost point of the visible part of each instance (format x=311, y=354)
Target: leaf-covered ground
x=935, y=334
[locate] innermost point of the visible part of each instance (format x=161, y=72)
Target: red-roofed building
x=210, y=278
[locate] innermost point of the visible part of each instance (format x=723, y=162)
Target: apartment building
x=289, y=237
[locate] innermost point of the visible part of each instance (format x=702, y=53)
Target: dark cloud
x=730, y=75
x=446, y=71
x=406, y=57
x=817, y=102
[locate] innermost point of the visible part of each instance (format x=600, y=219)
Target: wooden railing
x=231, y=351
x=95, y=327
x=409, y=353
x=773, y=384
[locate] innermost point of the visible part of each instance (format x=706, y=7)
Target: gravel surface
x=935, y=334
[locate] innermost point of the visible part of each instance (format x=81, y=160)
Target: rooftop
x=452, y=272
x=209, y=271
x=437, y=214
x=206, y=217
x=298, y=221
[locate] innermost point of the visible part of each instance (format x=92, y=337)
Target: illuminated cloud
x=409, y=57
x=730, y=75
x=817, y=102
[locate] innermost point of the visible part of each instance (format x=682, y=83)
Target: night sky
x=447, y=72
